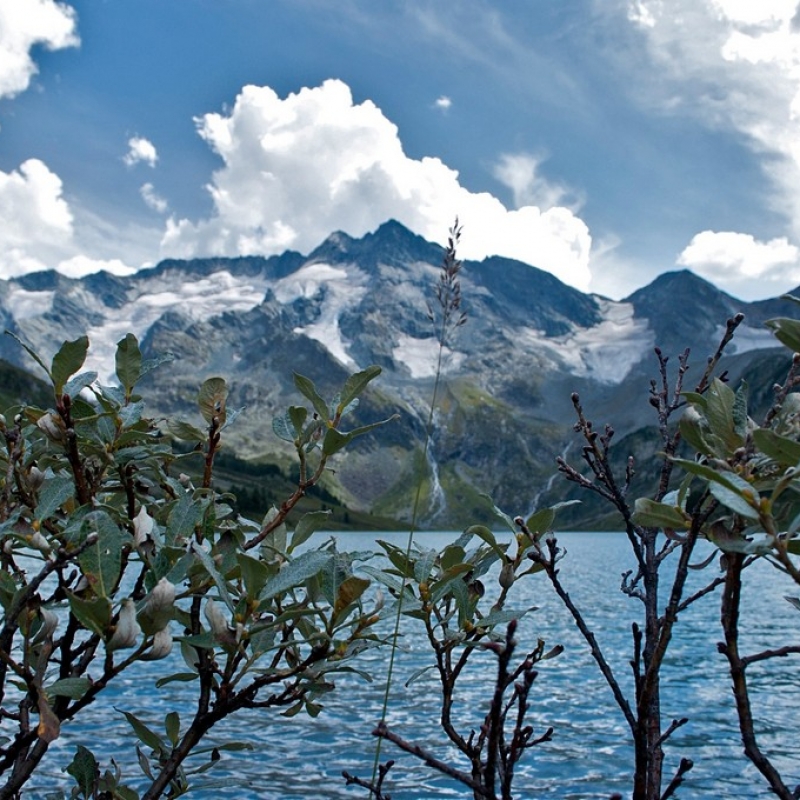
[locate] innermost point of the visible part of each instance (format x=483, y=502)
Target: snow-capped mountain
x=504, y=413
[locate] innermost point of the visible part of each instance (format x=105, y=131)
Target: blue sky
x=606, y=141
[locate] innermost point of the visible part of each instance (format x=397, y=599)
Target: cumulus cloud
x=24, y=24
x=739, y=262
x=295, y=169
x=38, y=230
x=443, y=102
x=153, y=199
x=140, y=150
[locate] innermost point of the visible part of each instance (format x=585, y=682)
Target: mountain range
x=503, y=413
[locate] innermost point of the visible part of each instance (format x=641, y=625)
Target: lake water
x=590, y=753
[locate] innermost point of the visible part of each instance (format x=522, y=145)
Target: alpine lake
x=590, y=754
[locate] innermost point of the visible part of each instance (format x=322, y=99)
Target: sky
x=605, y=141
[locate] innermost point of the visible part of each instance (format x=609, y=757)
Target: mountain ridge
x=530, y=341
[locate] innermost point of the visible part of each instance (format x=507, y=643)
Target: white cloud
x=153, y=199
x=736, y=64
x=738, y=262
x=39, y=231
x=80, y=265
x=296, y=169
x=24, y=24
x=140, y=150
x=520, y=172
x=443, y=102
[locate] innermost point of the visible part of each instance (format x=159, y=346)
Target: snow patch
x=420, y=356
x=605, y=352
x=24, y=304
x=196, y=298
x=342, y=289
x=746, y=339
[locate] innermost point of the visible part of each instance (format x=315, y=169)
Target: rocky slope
x=504, y=412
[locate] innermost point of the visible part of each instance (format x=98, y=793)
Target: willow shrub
x=112, y=555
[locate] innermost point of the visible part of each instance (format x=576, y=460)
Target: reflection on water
x=590, y=754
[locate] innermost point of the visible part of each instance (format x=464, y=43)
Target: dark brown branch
x=383, y=731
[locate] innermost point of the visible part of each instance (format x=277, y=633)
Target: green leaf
x=335, y=440
x=451, y=556
x=145, y=734
x=417, y=674
x=101, y=561
x=424, y=565
x=482, y=532
x=696, y=399
x=787, y=331
x=74, y=688
x=84, y=768
x=694, y=430
x=785, y=451
x=183, y=518
x=67, y=361
x=184, y=432
x=31, y=352
x=54, y=492
x=283, y=428
x=356, y=384
x=498, y=512
x=207, y=562
x=297, y=416
x=212, y=400
x=501, y=618
x=541, y=521
x=741, y=501
x=349, y=591
x=299, y=570
x=307, y=525
x=93, y=614
x=720, y=402
x=445, y=582
x=306, y=387
x=254, y=574
x=651, y=514
x=76, y=385
x=156, y=361
x=178, y=677
x=729, y=480
x=172, y=725
x=128, y=362
x=740, y=418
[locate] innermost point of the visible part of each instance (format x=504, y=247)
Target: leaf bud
x=127, y=630
x=52, y=427
x=507, y=576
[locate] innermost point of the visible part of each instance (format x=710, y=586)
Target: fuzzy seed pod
x=158, y=607
x=127, y=630
x=162, y=646
x=218, y=624
x=52, y=427
x=35, y=477
x=143, y=525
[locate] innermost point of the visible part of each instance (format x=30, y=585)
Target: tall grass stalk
x=446, y=316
